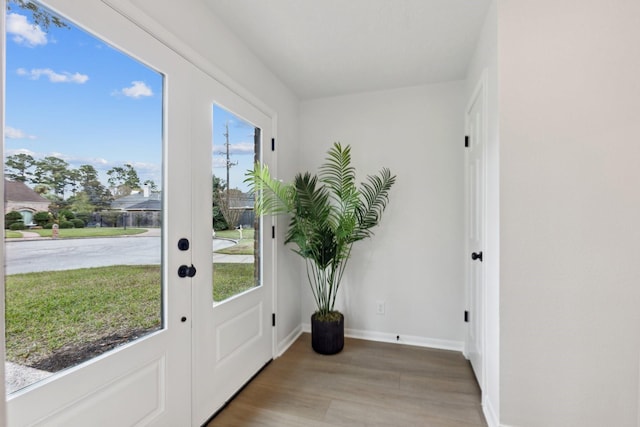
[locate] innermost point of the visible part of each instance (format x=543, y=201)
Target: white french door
x=146, y=381
x=203, y=351
x=232, y=333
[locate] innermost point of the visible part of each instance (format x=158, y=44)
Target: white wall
x=190, y=27
x=570, y=205
x=485, y=63
x=413, y=263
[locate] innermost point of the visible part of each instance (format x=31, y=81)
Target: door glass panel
x=236, y=230
x=83, y=196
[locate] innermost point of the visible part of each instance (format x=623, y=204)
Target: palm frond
x=312, y=200
x=272, y=196
x=309, y=228
x=375, y=196
x=339, y=176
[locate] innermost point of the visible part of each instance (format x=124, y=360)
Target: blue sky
x=72, y=96
x=241, y=147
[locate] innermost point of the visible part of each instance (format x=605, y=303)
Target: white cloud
x=242, y=148
x=13, y=152
x=219, y=162
x=239, y=148
x=23, y=32
x=64, y=77
x=137, y=90
x=13, y=133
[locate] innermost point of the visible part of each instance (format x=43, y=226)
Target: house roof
x=15, y=191
x=147, y=205
x=138, y=202
x=245, y=201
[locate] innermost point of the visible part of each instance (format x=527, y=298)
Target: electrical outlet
x=380, y=307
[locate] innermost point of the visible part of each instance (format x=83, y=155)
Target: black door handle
x=476, y=255
x=184, y=271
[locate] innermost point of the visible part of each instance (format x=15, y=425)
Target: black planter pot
x=327, y=337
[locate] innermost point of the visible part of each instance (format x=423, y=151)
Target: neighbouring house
x=21, y=198
x=243, y=203
x=139, y=209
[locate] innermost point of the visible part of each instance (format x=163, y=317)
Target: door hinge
x=273, y=319
x=476, y=256
x=273, y=144
x=466, y=316
x=466, y=140
x=273, y=231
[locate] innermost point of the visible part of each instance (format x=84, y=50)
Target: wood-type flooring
x=367, y=384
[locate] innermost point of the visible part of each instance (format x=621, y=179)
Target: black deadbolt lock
x=184, y=271
x=183, y=244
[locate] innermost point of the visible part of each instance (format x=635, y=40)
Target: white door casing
x=233, y=339
x=146, y=382
x=475, y=191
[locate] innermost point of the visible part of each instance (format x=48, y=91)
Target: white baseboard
x=288, y=341
x=490, y=414
x=399, y=339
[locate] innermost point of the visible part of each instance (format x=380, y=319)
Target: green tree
x=80, y=203
x=152, y=185
x=74, y=180
x=55, y=173
x=42, y=217
x=42, y=189
x=18, y=167
x=123, y=180
x=12, y=218
x=41, y=16
x=229, y=204
x=94, y=192
x=66, y=215
x=217, y=186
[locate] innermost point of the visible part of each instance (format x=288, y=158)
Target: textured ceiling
x=322, y=48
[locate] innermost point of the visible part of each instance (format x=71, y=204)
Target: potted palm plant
x=329, y=213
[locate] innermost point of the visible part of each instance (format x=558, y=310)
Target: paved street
x=50, y=255
x=26, y=256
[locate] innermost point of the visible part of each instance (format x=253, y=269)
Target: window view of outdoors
x=236, y=236
x=82, y=208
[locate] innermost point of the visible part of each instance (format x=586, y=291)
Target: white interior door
x=232, y=331
x=146, y=381
x=475, y=190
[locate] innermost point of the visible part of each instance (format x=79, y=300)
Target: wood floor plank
x=367, y=384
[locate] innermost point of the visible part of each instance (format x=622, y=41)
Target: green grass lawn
x=247, y=233
x=49, y=310
x=231, y=279
x=244, y=245
x=12, y=234
x=53, y=312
